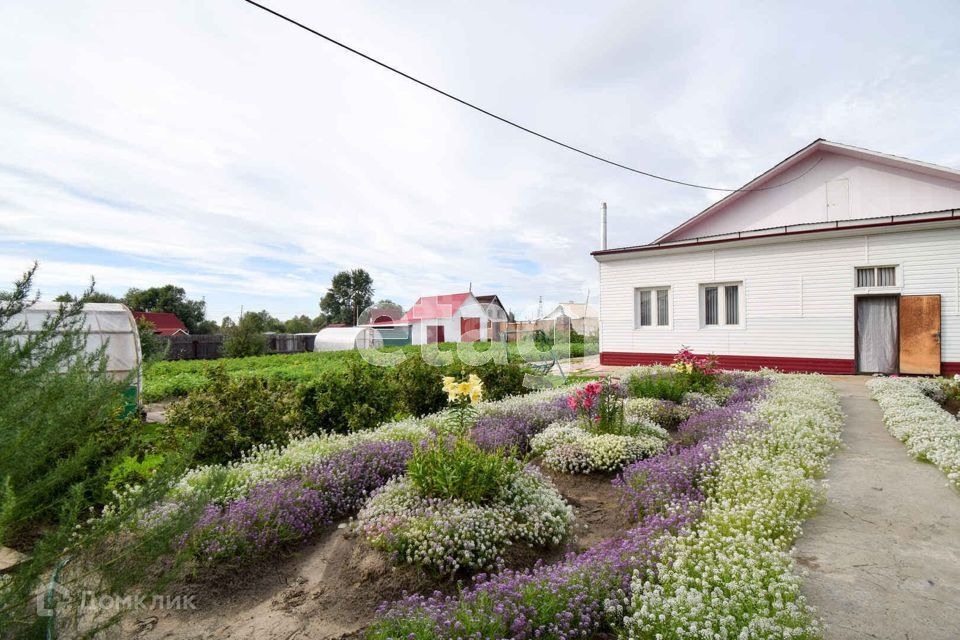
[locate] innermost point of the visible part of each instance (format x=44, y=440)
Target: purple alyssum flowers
x=293, y=508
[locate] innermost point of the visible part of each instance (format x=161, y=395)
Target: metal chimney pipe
x=603, y=226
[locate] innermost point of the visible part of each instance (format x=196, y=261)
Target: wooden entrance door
x=920, y=335
x=469, y=329
x=434, y=334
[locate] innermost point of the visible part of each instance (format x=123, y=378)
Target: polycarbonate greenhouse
x=109, y=324
x=346, y=338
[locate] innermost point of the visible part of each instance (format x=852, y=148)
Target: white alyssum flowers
x=451, y=534
x=569, y=448
x=731, y=577
x=913, y=416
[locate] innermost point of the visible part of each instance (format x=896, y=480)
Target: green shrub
x=152, y=346
x=462, y=471
x=245, y=338
x=499, y=380
x=61, y=436
x=232, y=415
x=670, y=386
x=360, y=398
x=134, y=470
x=418, y=387
x=56, y=400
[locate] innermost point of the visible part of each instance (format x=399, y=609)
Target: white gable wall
x=798, y=294
x=858, y=188
x=451, y=326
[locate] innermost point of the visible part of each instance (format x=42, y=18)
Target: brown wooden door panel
x=920, y=335
x=469, y=329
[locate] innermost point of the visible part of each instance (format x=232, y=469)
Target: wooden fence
x=518, y=330
x=210, y=347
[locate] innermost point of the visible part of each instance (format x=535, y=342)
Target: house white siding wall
x=839, y=187
x=797, y=293
x=451, y=325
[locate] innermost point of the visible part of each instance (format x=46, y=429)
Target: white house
x=851, y=263
x=574, y=311
x=457, y=317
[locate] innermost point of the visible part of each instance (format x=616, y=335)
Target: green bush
x=418, y=387
x=245, y=338
x=670, y=386
x=152, y=346
x=61, y=437
x=499, y=380
x=360, y=398
x=232, y=415
x=461, y=470
x=56, y=400
x=134, y=470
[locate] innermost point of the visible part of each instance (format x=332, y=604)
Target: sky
x=207, y=144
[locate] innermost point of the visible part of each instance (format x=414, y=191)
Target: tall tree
x=298, y=324
x=350, y=293
x=387, y=303
x=263, y=322
x=246, y=337
x=88, y=296
x=172, y=299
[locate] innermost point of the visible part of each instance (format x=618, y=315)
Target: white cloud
x=211, y=145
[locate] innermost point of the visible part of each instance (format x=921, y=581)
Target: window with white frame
x=652, y=307
x=721, y=304
x=885, y=276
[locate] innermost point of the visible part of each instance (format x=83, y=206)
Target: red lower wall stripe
x=835, y=366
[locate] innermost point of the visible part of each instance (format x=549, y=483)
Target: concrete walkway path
x=883, y=554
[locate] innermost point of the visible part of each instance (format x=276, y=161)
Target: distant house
x=497, y=314
x=580, y=317
x=573, y=310
x=837, y=260
x=492, y=301
x=164, y=324
x=455, y=317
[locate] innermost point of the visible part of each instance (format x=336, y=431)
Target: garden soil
x=332, y=589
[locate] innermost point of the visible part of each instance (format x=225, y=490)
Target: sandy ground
x=883, y=554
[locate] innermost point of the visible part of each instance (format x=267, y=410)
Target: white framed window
x=882, y=276
x=651, y=307
x=721, y=304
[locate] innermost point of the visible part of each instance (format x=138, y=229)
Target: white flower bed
x=569, y=448
x=731, y=577
x=917, y=420
x=451, y=534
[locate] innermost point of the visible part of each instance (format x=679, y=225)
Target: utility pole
x=603, y=226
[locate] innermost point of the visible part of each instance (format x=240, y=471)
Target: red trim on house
x=750, y=363
x=833, y=366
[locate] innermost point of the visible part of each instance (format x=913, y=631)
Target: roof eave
x=948, y=215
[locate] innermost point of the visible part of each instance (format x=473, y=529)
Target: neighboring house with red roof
x=164, y=324
x=455, y=317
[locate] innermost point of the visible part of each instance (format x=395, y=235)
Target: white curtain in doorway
x=877, y=334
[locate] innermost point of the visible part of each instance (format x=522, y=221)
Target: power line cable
x=506, y=121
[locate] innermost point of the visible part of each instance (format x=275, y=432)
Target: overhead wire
x=509, y=122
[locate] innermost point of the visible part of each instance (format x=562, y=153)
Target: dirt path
x=883, y=554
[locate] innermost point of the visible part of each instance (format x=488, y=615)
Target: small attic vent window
x=876, y=276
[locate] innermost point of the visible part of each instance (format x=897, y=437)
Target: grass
x=176, y=378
